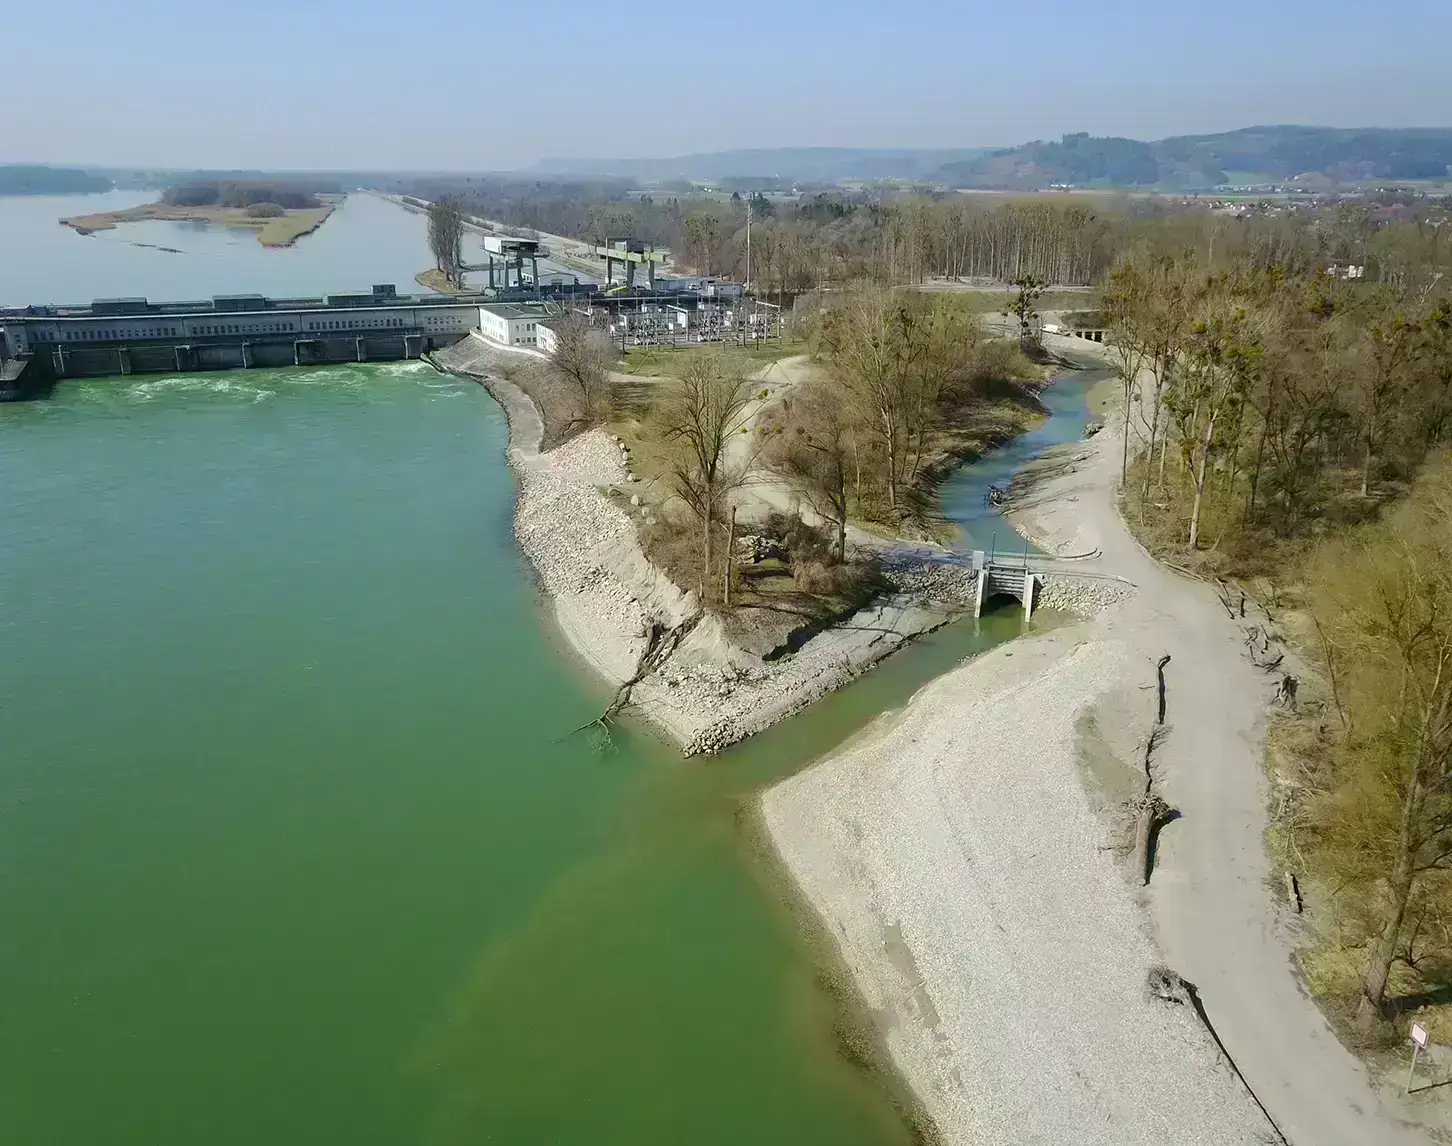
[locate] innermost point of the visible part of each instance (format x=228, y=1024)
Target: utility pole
x=747, y=284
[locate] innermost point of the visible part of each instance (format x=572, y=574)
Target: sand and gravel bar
x=976, y=900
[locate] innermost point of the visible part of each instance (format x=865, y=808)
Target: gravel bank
x=1082, y=596
x=969, y=882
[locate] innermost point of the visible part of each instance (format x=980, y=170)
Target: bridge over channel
x=1020, y=576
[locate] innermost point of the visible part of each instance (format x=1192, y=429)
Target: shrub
x=265, y=211
x=814, y=577
x=803, y=543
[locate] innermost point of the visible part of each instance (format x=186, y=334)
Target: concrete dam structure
x=42, y=344
x=227, y=332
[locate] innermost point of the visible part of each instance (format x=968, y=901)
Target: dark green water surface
x=291, y=848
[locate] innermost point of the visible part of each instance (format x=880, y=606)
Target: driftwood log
x=1152, y=811
x=1293, y=891
x=661, y=644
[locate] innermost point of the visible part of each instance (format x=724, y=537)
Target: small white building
x=511, y=324
x=546, y=337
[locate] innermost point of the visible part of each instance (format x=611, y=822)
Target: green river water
x=292, y=850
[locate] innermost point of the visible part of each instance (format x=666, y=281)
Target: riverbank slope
x=965, y=857
x=675, y=664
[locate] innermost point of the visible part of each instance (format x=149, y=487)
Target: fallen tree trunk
x=662, y=644
x=1153, y=813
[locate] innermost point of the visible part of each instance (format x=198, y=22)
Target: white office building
x=511, y=324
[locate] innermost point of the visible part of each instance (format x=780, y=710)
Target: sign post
x=1419, y=1041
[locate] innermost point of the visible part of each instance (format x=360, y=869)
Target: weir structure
x=42, y=343
x=230, y=332
x=1000, y=575
x=511, y=251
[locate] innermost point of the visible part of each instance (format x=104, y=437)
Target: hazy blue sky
x=484, y=85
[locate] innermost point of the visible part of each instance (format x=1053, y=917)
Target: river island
x=279, y=215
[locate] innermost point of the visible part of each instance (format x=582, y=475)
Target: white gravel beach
x=967, y=880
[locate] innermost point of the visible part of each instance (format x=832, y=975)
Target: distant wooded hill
x=1330, y=154
x=23, y=179
x=1326, y=154
x=790, y=164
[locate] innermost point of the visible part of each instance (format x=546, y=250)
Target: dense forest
x=18, y=179
x=298, y=196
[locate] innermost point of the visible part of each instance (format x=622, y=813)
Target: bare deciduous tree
x=446, y=237
x=702, y=413
x=582, y=359
x=1024, y=308
x=874, y=340
x=816, y=452
x=1222, y=356
x=1124, y=304
x=1391, y=342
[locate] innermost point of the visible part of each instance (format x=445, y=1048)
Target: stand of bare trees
x=898, y=358
x=1272, y=412
x=446, y=237
x=1282, y=396
x=912, y=240
x=582, y=360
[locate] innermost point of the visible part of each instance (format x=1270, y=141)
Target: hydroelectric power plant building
x=41, y=344
x=134, y=336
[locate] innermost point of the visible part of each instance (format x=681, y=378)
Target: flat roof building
x=511, y=323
